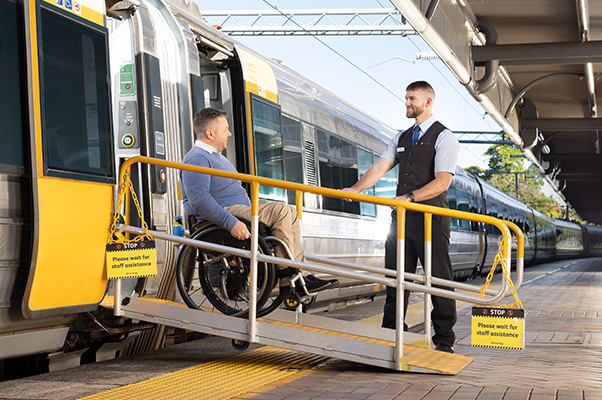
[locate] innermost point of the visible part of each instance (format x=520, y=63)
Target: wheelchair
x=210, y=280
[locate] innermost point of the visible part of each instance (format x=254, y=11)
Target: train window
x=13, y=105
x=364, y=161
x=474, y=208
x=293, y=161
x=76, y=116
x=462, y=201
x=453, y=204
x=338, y=169
x=267, y=139
x=386, y=187
x=494, y=209
x=490, y=212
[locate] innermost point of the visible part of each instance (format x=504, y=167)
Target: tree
x=508, y=173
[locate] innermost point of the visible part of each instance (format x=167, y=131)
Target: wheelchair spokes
x=221, y=281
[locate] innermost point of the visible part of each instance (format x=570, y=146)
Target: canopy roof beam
x=540, y=53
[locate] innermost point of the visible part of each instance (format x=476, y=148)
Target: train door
x=481, y=208
x=70, y=155
x=223, y=88
x=154, y=68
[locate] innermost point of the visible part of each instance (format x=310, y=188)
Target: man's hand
x=403, y=197
x=240, y=231
x=350, y=190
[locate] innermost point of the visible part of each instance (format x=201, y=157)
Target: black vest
x=417, y=164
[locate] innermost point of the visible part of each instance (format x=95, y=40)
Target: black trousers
x=443, y=314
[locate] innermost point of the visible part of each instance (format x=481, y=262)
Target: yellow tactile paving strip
x=221, y=379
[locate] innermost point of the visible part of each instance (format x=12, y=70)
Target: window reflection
x=267, y=138
x=75, y=98
x=338, y=169
x=293, y=161
x=386, y=187
x=365, y=161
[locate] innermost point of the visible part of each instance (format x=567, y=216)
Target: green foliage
x=508, y=173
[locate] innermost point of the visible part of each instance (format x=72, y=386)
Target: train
x=474, y=246
x=87, y=84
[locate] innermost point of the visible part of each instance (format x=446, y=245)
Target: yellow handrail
x=299, y=187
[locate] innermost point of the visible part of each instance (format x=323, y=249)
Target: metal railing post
x=399, y=299
x=117, y=287
x=299, y=204
x=520, y=253
x=428, y=259
x=117, y=310
x=254, y=250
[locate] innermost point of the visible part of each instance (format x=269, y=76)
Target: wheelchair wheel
x=221, y=281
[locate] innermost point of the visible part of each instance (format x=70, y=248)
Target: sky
x=453, y=106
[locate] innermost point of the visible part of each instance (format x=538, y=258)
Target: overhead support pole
x=540, y=53
x=583, y=19
x=488, y=81
x=564, y=124
x=584, y=29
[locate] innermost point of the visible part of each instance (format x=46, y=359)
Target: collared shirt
x=447, y=148
x=208, y=148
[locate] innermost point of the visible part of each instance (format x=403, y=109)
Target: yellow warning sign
x=131, y=260
x=498, y=327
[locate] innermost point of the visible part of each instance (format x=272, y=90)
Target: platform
x=561, y=360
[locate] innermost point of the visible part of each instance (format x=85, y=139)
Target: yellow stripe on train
x=90, y=10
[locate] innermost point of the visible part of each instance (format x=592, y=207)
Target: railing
x=419, y=283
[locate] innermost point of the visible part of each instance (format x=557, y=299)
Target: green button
x=128, y=140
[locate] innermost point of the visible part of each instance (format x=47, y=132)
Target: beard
x=414, y=111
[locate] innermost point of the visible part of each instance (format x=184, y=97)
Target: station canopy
x=533, y=65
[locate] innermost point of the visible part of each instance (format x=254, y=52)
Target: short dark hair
x=204, y=117
x=421, y=85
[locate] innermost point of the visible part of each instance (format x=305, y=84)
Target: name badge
x=401, y=149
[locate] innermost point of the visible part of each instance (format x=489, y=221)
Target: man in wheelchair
x=225, y=202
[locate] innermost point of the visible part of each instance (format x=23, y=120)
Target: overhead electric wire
x=288, y=17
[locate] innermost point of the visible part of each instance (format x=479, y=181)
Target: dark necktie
x=415, y=135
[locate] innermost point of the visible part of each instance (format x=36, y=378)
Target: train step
x=303, y=332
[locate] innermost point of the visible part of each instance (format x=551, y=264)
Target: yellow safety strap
x=499, y=258
x=120, y=237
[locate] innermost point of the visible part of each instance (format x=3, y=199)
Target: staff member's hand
x=350, y=190
x=403, y=197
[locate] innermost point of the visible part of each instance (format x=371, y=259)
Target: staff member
x=427, y=155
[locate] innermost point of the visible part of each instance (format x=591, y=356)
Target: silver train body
x=164, y=63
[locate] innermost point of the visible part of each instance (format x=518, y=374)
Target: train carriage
x=592, y=238
x=569, y=239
